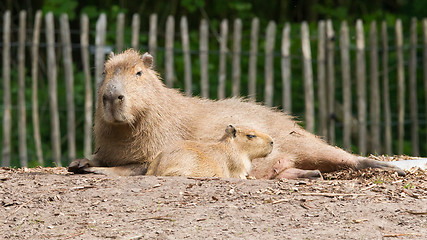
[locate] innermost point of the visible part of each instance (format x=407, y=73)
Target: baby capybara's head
x=129, y=82
x=254, y=143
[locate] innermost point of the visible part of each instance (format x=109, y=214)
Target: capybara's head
x=129, y=82
x=249, y=141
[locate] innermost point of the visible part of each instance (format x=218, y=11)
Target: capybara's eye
x=251, y=136
x=139, y=74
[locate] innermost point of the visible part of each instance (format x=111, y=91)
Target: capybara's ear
x=148, y=60
x=231, y=130
x=111, y=55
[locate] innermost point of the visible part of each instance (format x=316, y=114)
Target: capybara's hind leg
x=293, y=173
x=370, y=163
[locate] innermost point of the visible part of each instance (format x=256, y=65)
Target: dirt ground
x=50, y=203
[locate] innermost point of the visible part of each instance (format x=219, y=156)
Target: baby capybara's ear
x=148, y=60
x=111, y=55
x=231, y=130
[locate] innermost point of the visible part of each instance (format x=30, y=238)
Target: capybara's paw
x=400, y=172
x=80, y=166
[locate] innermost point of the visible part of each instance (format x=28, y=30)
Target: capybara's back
x=230, y=157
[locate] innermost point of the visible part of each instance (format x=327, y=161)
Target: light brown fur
x=230, y=157
x=130, y=131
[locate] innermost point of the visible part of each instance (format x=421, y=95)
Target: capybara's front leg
x=125, y=170
x=81, y=165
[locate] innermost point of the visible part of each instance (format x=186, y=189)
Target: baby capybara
x=230, y=157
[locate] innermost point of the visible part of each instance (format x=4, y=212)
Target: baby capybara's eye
x=139, y=74
x=251, y=136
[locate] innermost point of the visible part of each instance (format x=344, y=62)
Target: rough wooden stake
x=253, y=56
x=22, y=116
x=34, y=88
x=413, y=102
x=269, y=64
x=204, y=58
x=237, y=50
x=53, y=90
x=120, y=32
x=321, y=80
x=170, y=34
x=7, y=99
x=286, y=69
x=346, y=84
x=400, y=87
x=88, y=108
x=374, y=105
x=187, y=59
x=222, y=59
x=361, y=86
x=69, y=86
x=308, y=78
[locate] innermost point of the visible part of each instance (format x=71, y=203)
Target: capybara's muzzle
x=113, y=93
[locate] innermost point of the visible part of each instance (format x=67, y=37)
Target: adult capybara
x=137, y=117
x=230, y=157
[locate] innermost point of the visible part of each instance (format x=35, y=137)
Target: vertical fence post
x=101, y=28
x=69, y=85
x=84, y=41
x=374, y=105
x=253, y=59
x=204, y=58
x=330, y=73
x=308, y=78
x=425, y=60
x=152, y=40
x=386, y=95
x=269, y=63
x=34, y=88
x=400, y=87
x=135, y=31
x=22, y=116
x=286, y=68
x=413, y=106
x=346, y=83
x=237, y=50
x=187, y=59
x=119, y=31
x=170, y=33
x=321, y=85
x=52, y=84
x=222, y=59
x=361, y=85
x=7, y=116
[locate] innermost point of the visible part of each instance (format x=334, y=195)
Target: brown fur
x=137, y=117
x=230, y=157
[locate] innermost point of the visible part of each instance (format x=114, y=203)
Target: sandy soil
x=50, y=203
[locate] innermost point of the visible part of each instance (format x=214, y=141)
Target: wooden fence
x=336, y=48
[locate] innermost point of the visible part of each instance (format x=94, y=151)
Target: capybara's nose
x=112, y=97
x=113, y=93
